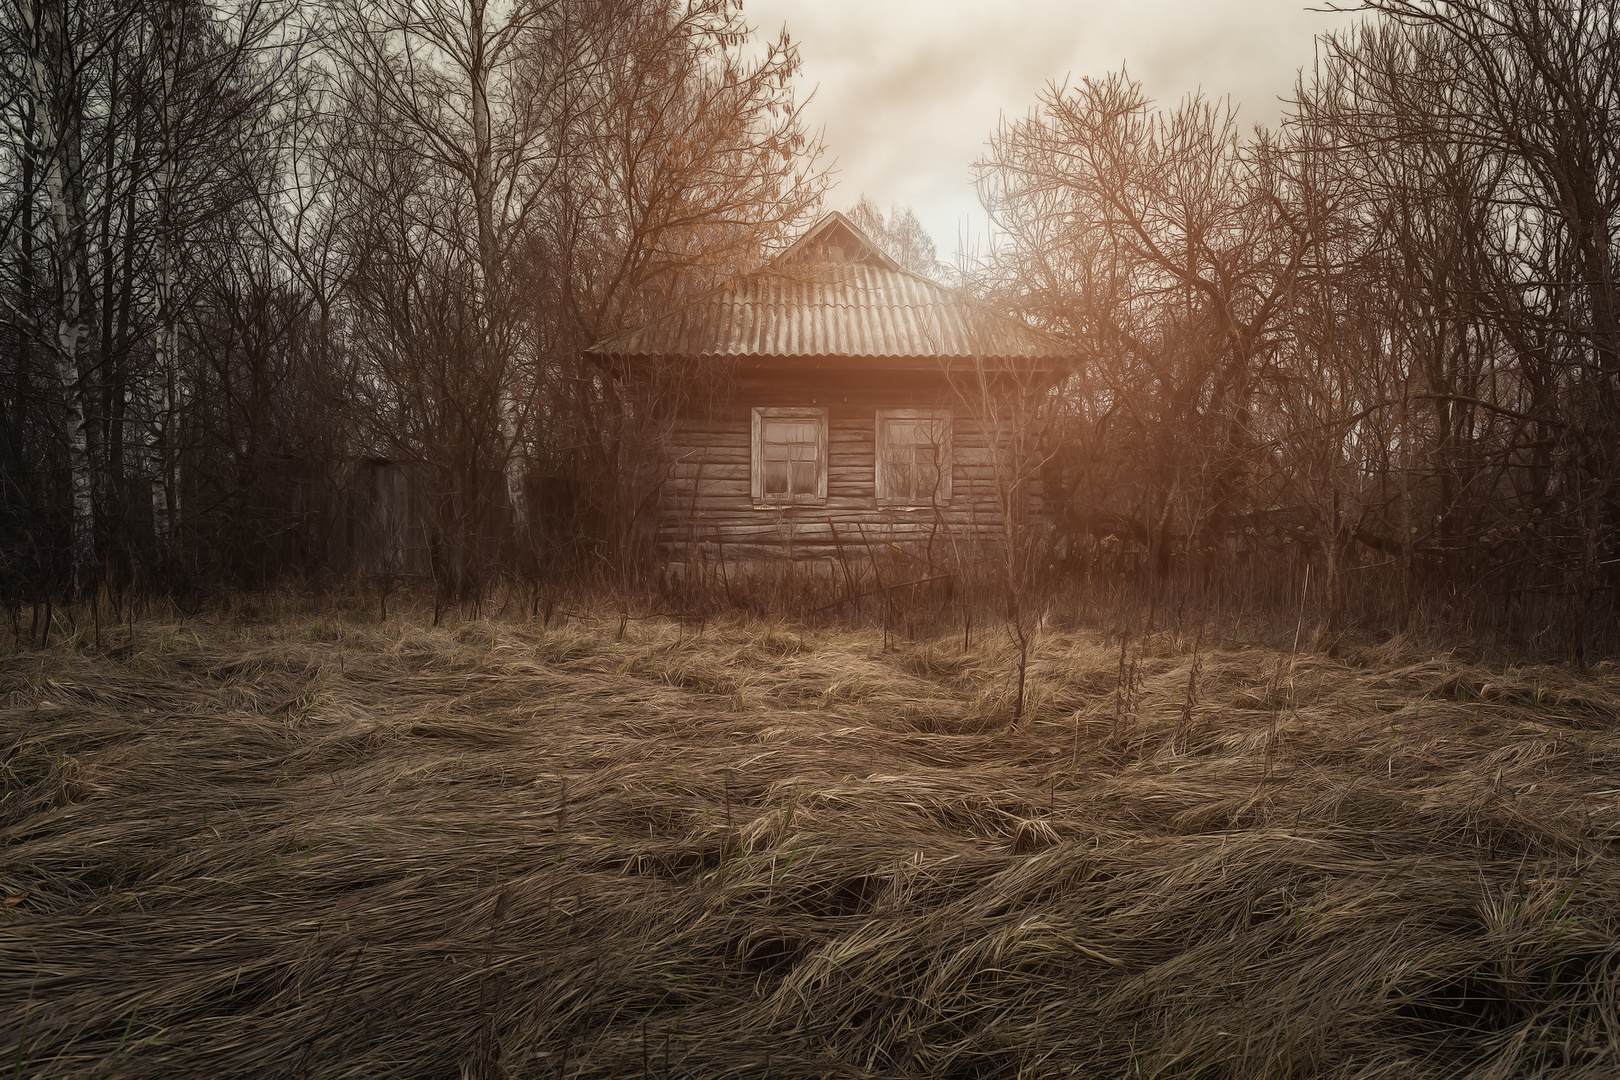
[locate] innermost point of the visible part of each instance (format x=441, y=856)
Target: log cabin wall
x=707, y=514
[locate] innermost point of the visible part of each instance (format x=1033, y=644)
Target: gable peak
x=835, y=239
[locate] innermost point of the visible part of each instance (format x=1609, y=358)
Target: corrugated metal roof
x=809, y=305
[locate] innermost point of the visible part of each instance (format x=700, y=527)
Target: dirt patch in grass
x=331, y=849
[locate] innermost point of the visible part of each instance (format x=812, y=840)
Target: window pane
x=894, y=463
x=790, y=457
x=776, y=477
x=907, y=487
x=923, y=480
x=928, y=433
x=915, y=459
x=804, y=477
x=784, y=432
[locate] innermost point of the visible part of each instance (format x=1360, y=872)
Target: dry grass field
x=309, y=845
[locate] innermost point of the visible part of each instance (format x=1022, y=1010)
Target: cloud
x=908, y=91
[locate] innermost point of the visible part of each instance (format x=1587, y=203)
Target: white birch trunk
x=53, y=104
x=165, y=489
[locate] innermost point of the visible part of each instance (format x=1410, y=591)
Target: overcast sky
x=907, y=91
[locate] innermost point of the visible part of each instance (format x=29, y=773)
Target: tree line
x=245, y=243
x=1366, y=361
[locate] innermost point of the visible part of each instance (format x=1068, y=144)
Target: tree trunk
x=56, y=101
x=165, y=490
x=1403, y=472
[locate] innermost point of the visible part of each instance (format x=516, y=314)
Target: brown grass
x=318, y=847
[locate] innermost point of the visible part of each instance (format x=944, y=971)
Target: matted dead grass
x=323, y=848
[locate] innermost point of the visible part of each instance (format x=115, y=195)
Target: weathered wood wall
x=706, y=513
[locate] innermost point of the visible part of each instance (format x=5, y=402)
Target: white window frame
x=756, y=472
x=944, y=458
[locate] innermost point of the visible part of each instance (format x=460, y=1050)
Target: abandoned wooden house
x=867, y=408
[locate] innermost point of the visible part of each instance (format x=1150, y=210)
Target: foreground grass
x=321, y=848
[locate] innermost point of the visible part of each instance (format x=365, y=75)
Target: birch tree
x=53, y=61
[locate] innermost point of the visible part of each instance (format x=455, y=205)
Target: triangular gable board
x=834, y=240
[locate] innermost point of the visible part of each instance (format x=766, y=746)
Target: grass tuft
x=312, y=845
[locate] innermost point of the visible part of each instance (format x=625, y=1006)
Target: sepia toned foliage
x=250, y=250
x=1374, y=348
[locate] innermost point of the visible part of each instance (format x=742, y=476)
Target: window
x=789, y=465
x=913, y=457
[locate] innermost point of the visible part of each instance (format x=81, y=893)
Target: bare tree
x=901, y=236
x=537, y=181
x=1159, y=246
x=451, y=115
x=1010, y=402
x=1480, y=137
x=55, y=56
x=689, y=163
